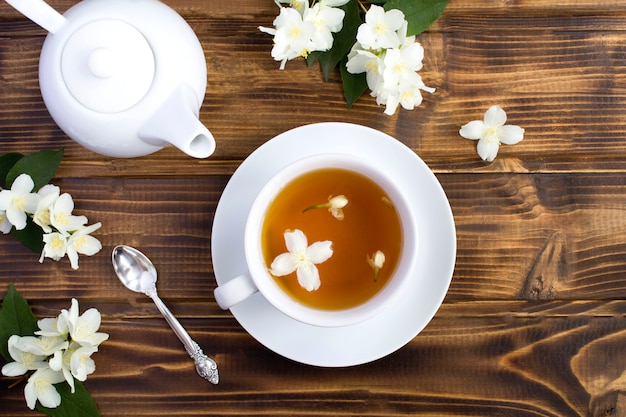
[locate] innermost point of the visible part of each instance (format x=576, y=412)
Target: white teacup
x=258, y=279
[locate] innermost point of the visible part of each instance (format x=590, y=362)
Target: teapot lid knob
x=107, y=65
x=103, y=63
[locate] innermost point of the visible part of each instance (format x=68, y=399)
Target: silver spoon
x=138, y=274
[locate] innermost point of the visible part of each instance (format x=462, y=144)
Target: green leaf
x=6, y=163
x=41, y=166
x=343, y=40
x=419, y=14
x=354, y=85
x=16, y=317
x=78, y=404
x=312, y=57
x=31, y=236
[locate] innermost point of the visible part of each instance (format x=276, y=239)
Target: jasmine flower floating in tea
x=334, y=205
x=376, y=262
x=302, y=259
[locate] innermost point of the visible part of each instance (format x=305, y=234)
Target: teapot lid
x=107, y=65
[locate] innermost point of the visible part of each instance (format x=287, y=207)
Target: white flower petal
x=363, y=61
x=413, y=56
x=72, y=255
x=472, y=130
x=296, y=241
x=31, y=395
x=14, y=369
x=308, y=277
x=282, y=265
x=49, y=396
x=495, y=117
x=5, y=224
x=6, y=196
x=48, y=327
x=487, y=150
x=81, y=363
x=510, y=134
x=23, y=184
x=391, y=101
x=16, y=217
x=339, y=201
x=90, y=320
x=49, y=189
x=395, y=18
x=269, y=31
x=319, y=252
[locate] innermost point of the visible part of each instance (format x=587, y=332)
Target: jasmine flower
x=376, y=262
x=24, y=360
x=61, y=216
x=379, y=29
x=83, y=328
x=40, y=387
x=334, y=205
x=292, y=36
x=19, y=200
x=81, y=242
x=48, y=195
x=302, y=259
x=490, y=132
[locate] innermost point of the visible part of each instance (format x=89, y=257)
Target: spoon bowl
x=138, y=274
x=129, y=265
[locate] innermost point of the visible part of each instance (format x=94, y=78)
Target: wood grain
x=533, y=323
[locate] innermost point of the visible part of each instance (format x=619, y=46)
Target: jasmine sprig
x=334, y=206
x=42, y=220
x=376, y=261
x=326, y=31
x=52, y=354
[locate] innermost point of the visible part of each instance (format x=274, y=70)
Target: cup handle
x=234, y=291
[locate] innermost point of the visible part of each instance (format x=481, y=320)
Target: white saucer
x=394, y=327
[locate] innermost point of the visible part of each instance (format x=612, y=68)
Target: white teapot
x=123, y=78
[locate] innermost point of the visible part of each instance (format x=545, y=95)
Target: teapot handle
x=39, y=12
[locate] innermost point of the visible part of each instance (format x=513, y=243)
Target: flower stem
x=18, y=381
x=315, y=206
x=362, y=6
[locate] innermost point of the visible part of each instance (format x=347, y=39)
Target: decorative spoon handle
x=205, y=366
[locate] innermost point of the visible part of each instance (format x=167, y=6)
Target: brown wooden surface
x=533, y=323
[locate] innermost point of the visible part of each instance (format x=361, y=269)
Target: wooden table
x=533, y=323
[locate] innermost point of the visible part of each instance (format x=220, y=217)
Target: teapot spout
x=176, y=122
x=39, y=12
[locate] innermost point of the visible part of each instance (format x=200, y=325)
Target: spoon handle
x=205, y=366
